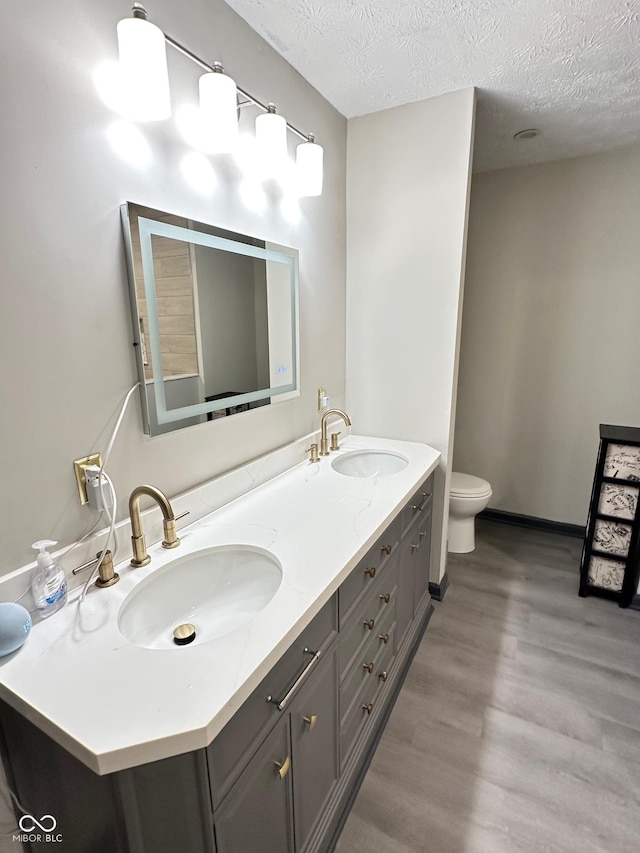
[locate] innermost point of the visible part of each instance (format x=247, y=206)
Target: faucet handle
x=334, y=441
x=314, y=453
x=106, y=575
x=170, y=536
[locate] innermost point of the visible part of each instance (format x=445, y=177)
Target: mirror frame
x=147, y=229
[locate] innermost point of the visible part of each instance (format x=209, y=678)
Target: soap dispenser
x=49, y=585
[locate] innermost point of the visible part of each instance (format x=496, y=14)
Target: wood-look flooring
x=518, y=726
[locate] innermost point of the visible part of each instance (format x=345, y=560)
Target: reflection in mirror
x=214, y=316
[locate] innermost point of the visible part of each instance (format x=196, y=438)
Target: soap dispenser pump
x=49, y=585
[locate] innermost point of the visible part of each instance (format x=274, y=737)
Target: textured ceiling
x=570, y=68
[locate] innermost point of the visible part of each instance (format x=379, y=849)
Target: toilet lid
x=466, y=485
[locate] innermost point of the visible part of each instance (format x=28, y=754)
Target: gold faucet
x=140, y=556
x=324, y=442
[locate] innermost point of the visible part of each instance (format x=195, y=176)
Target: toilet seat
x=468, y=486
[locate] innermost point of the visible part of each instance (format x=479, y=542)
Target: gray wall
x=65, y=327
x=550, y=340
x=407, y=201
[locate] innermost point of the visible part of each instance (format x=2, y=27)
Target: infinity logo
x=28, y=823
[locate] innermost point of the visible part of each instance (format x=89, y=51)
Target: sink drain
x=184, y=634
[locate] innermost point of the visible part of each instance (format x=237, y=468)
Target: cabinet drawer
x=368, y=569
x=417, y=505
x=363, y=623
x=244, y=732
x=364, y=669
x=356, y=717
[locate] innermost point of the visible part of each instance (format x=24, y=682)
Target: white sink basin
x=369, y=463
x=216, y=590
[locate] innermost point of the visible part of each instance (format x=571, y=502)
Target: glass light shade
x=309, y=157
x=143, y=70
x=218, y=112
x=271, y=138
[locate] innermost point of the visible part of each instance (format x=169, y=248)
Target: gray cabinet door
x=405, y=597
x=256, y=814
x=314, y=745
x=421, y=556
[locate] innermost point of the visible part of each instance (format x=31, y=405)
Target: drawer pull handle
x=384, y=638
x=386, y=597
x=416, y=547
x=371, y=572
x=422, y=534
x=370, y=623
x=281, y=704
x=368, y=667
x=421, y=505
x=386, y=549
x=382, y=675
x=283, y=769
x=311, y=721
x=368, y=708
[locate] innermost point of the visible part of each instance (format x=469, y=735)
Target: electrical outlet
x=79, y=466
x=323, y=400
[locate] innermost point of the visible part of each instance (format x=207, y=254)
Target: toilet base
x=462, y=535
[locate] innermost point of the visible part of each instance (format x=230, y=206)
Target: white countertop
x=115, y=705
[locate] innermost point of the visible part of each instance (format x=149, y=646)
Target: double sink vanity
x=306, y=598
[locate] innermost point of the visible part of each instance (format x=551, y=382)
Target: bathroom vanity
x=255, y=741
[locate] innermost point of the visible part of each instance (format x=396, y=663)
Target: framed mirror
x=215, y=318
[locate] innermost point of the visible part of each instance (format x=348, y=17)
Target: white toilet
x=468, y=495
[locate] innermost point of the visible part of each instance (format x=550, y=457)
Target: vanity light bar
x=217, y=66
x=138, y=11
x=141, y=84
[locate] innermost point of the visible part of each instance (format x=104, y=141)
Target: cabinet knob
x=416, y=547
x=283, y=769
x=371, y=572
x=384, y=638
x=368, y=667
x=311, y=721
x=422, y=534
x=386, y=549
x=368, y=708
x=382, y=675
x=386, y=597
x=370, y=623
